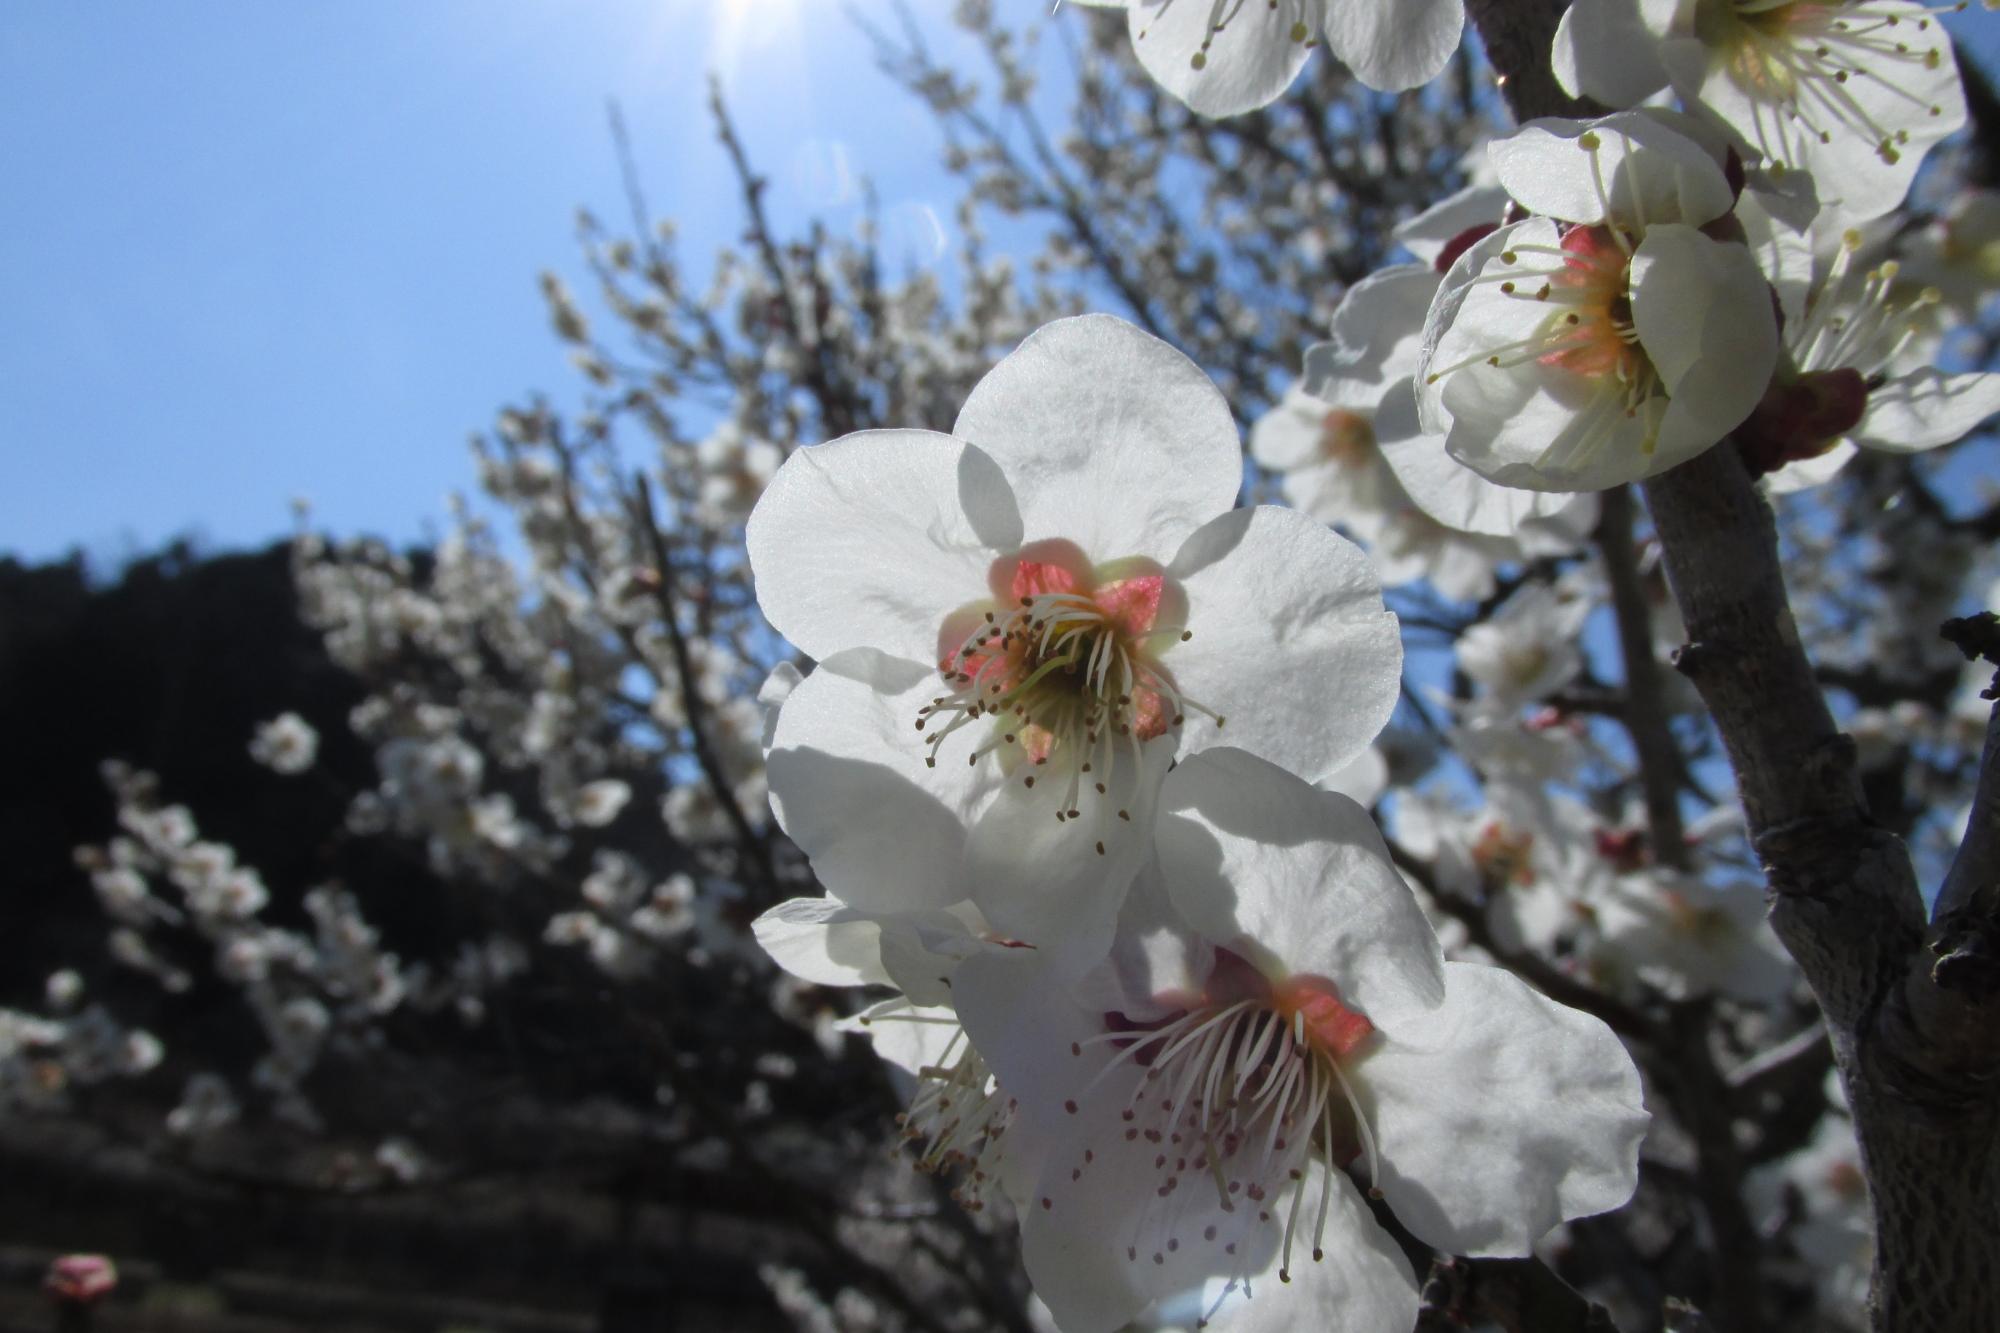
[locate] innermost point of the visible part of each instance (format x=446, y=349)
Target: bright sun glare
x=746, y=29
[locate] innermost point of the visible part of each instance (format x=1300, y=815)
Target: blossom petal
x=1925, y=409
x=1057, y=883
x=870, y=540
x=1296, y=879
x=1500, y=1114
x=910, y=1039
x=1393, y=46
x=1810, y=472
x=1246, y=65
x=1872, y=108
x=824, y=941
x=1290, y=641
x=1642, y=167
x=846, y=766
x=1291, y=435
x=1359, y=1282
x=1428, y=233
x=1377, y=337
x=1704, y=316
x=1460, y=498
x=1109, y=437
x=1605, y=50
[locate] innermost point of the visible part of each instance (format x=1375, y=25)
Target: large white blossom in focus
x=1222, y=57
x=1853, y=91
x=1019, y=626
x=1275, y=1015
x=1611, y=337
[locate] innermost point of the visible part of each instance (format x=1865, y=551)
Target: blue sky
x=258, y=251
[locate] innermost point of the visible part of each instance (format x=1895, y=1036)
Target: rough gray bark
x=1912, y=1006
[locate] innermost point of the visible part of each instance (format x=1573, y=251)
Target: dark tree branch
x=756, y=849
x=1973, y=884
x=1644, y=716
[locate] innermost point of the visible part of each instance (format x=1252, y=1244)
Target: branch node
x=1968, y=957
x=1693, y=660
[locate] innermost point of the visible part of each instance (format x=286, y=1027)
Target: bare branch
x=1644, y=716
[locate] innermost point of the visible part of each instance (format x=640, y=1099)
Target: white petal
x=1109, y=438
x=1361, y=1283
x=1291, y=644
x=1290, y=434
x=1296, y=879
x=1784, y=253
x=824, y=941
x=1362, y=780
x=849, y=784
x=1394, y=44
x=1703, y=314
x=1500, y=1114
x=1427, y=234
x=1904, y=91
x=1460, y=498
x=1042, y=880
x=1648, y=171
x=1246, y=65
x=1925, y=409
x=1469, y=317
x=1377, y=337
x=1604, y=50
x=872, y=539
x=1809, y=472
x=912, y=1040
x=921, y=950
x=771, y=696
x=1521, y=423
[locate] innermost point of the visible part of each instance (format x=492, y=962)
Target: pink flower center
x=1064, y=662
x=1596, y=336
x=1243, y=1086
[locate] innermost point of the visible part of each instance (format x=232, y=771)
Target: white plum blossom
x=1275, y=1014
x=1612, y=336
x=735, y=469
x=1223, y=57
x=1853, y=91
x=1960, y=253
x=1687, y=937
x=1349, y=451
x=598, y=803
x=1527, y=651
x=286, y=744
x=1370, y=363
x=1847, y=384
x=1019, y=627
x=1531, y=856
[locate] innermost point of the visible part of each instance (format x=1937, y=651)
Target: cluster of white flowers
x=1088, y=759
x=1054, y=770
x=303, y=989
x=1053, y=767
